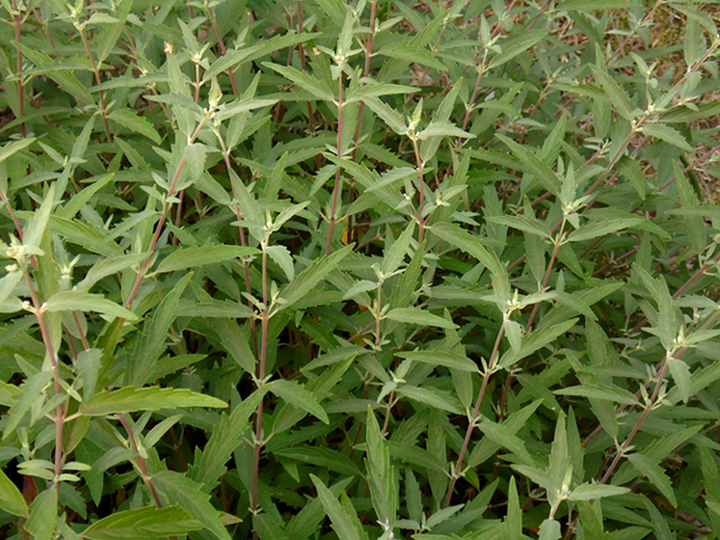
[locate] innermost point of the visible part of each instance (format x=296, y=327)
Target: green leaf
x=695, y=46
x=650, y=469
x=592, y=230
x=77, y=202
x=592, y=523
x=435, y=399
x=396, y=254
x=617, y=95
x=598, y=391
x=147, y=522
x=595, y=5
x=681, y=375
x=550, y=530
x=500, y=434
x=150, y=344
x=526, y=224
x=43, y=515
x=296, y=394
x=531, y=164
x=513, y=519
x=517, y=43
x=630, y=170
x=308, y=520
x=535, y=341
x=84, y=301
x=344, y=520
x=381, y=477
x=154, y=398
x=387, y=114
x=209, y=463
x=466, y=242
x=180, y=490
x=590, y=492
x=281, y=255
x=419, y=317
x=29, y=392
x=667, y=134
x=247, y=54
x=306, y=81
x=11, y=500
x=306, y=280
x=36, y=229
x=441, y=358
x=137, y=124
x=8, y=283
x=14, y=147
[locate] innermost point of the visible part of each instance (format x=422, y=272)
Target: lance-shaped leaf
x=209, y=464
x=592, y=230
x=381, y=475
x=418, y=316
x=667, y=134
x=137, y=124
x=84, y=301
x=11, y=500
x=441, y=358
x=150, y=344
x=307, y=82
x=500, y=434
x=462, y=239
x=247, y=54
x=518, y=43
x=36, y=229
x=306, y=280
x=147, y=522
x=296, y=394
x=649, y=468
x=531, y=164
x=590, y=492
x=183, y=258
x=43, y=515
x=154, y=398
x=600, y=391
x=29, y=391
x=344, y=519
x=180, y=490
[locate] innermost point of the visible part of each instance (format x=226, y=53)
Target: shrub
x=380, y=270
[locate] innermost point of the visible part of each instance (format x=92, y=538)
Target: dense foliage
x=371, y=270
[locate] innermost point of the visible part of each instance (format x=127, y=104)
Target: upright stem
x=421, y=193
x=17, y=22
x=260, y=382
x=140, y=461
x=163, y=217
x=476, y=412
x=336, y=189
x=98, y=80
x=39, y=311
